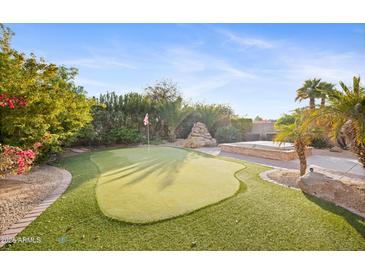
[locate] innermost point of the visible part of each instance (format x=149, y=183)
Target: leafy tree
x=56, y=107
x=258, y=118
x=286, y=119
x=163, y=91
x=301, y=133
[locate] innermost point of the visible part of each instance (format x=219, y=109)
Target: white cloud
x=97, y=62
x=200, y=72
x=90, y=82
x=247, y=42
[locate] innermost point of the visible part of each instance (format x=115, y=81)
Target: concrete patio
x=344, y=162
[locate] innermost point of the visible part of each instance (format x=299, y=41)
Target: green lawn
x=142, y=186
x=260, y=216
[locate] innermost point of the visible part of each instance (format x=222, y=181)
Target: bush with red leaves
x=12, y=102
x=14, y=160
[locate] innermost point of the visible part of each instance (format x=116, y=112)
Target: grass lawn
x=260, y=216
x=141, y=186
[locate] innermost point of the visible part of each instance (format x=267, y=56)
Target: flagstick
x=148, y=137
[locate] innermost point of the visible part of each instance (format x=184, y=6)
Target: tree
x=286, y=119
x=310, y=91
x=301, y=132
x=174, y=113
x=325, y=89
x=163, y=91
x=346, y=110
x=56, y=107
x=258, y=118
x=213, y=116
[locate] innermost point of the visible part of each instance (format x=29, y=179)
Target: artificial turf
x=143, y=185
x=261, y=216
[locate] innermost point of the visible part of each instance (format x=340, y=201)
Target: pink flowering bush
x=12, y=102
x=15, y=160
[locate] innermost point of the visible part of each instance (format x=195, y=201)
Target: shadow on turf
x=357, y=222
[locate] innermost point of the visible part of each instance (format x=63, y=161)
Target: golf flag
x=145, y=120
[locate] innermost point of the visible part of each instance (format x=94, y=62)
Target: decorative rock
x=199, y=137
x=335, y=149
x=347, y=195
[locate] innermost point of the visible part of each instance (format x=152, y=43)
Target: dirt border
x=9, y=234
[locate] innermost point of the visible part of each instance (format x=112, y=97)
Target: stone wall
x=348, y=194
x=263, y=131
x=263, y=153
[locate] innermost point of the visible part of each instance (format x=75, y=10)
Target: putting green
x=141, y=186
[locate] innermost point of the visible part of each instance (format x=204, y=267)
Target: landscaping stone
x=349, y=194
x=199, y=137
x=335, y=149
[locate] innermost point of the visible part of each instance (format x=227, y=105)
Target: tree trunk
x=300, y=149
x=351, y=133
x=172, y=137
x=360, y=151
x=312, y=103
x=323, y=102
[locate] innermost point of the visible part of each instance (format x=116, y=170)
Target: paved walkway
x=342, y=162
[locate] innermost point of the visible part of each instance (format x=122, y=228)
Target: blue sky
x=255, y=68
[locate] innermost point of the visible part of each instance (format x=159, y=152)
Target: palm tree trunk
x=300, y=149
x=323, y=101
x=172, y=137
x=360, y=151
x=355, y=146
x=312, y=103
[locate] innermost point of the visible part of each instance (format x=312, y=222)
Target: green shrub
x=228, y=134
x=56, y=108
x=320, y=143
x=242, y=124
x=125, y=136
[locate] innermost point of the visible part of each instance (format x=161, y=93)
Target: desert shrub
x=228, y=134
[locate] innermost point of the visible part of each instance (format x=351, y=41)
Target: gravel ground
x=19, y=194
x=290, y=177
x=285, y=177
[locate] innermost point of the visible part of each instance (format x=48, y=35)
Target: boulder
x=199, y=137
x=350, y=195
x=335, y=149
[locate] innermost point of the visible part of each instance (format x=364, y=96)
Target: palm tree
x=214, y=115
x=301, y=133
x=347, y=111
x=309, y=90
x=325, y=89
x=173, y=113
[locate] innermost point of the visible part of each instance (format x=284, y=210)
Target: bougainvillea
x=14, y=160
x=56, y=107
x=12, y=102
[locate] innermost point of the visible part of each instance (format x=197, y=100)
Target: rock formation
x=350, y=195
x=199, y=137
